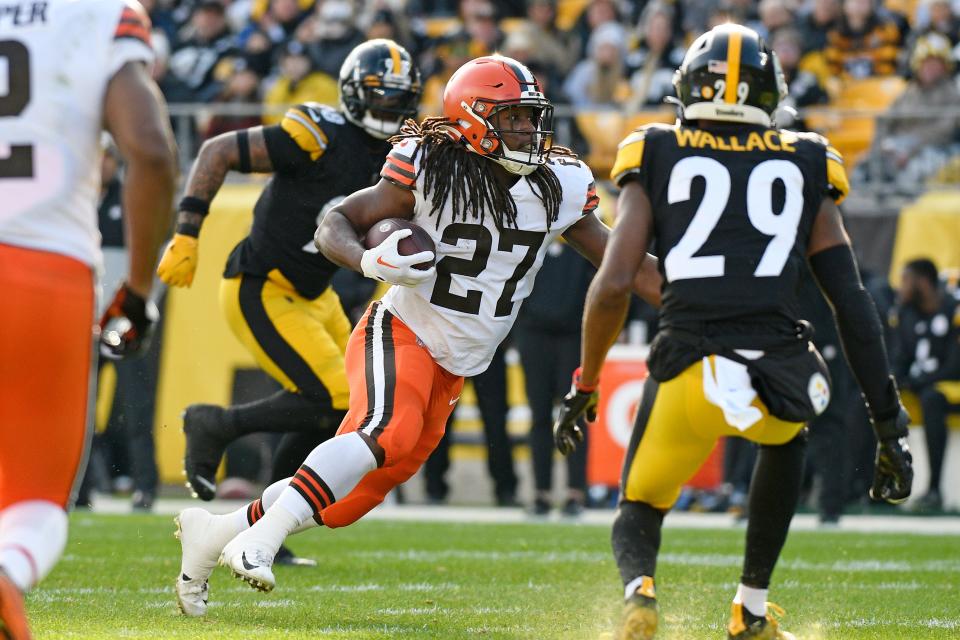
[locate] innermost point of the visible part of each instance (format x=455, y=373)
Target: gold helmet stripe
x=733, y=66
x=395, y=56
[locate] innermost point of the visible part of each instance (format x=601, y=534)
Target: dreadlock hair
x=451, y=171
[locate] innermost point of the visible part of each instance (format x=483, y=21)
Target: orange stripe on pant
x=404, y=404
x=46, y=354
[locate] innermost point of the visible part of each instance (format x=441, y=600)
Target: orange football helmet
x=479, y=89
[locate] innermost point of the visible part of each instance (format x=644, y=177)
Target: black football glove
x=127, y=325
x=893, y=467
x=580, y=403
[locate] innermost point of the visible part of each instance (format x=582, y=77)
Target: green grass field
x=384, y=579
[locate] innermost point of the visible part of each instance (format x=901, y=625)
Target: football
x=419, y=241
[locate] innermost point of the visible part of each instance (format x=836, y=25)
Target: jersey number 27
x=682, y=264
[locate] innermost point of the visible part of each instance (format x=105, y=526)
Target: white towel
x=726, y=384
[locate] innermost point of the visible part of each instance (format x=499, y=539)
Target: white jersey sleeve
x=483, y=273
x=57, y=57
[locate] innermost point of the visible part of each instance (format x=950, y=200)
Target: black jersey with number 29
x=733, y=210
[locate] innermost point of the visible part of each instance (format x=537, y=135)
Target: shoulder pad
x=310, y=126
x=630, y=151
x=134, y=24
x=838, y=185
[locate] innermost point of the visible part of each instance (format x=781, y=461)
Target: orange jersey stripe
x=394, y=176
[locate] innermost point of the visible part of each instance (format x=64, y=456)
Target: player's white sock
x=755, y=600
x=339, y=463
x=33, y=534
x=243, y=516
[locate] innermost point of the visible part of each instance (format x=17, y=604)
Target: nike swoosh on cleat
x=206, y=483
x=380, y=260
x=454, y=401
x=246, y=565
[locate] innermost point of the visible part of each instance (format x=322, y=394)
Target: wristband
x=192, y=204
x=582, y=387
x=187, y=229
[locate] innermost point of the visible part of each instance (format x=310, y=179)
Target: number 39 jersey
x=483, y=273
x=56, y=59
x=733, y=210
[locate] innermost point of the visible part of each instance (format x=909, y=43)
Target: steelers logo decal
x=819, y=391
x=707, y=92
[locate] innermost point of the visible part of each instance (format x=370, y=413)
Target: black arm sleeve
x=860, y=330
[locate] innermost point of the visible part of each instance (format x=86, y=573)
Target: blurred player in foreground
x=738, y=210
x=485, y=184
x=72, y=69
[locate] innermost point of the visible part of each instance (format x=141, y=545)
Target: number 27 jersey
x=733, y=210
x=483, y=273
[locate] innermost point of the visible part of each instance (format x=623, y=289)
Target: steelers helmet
x=379, y=87
x=730, y=74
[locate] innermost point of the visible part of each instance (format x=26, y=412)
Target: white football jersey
x=56, y=58
x=483, y=273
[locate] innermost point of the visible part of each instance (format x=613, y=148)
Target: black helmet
x=729, y=73
x=379, y=87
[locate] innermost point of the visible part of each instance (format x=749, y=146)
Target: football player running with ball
x=738, y=209
x=275, y=291
x=485, y=184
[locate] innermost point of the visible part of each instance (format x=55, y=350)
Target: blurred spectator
x=258, y=50
x=938, y=16
x=597, y=13
x=480, y=23
x=926, y=351
x=654, y=61
x=823, y=17
x=547, y=334
x=452, y=52
x=805, y=89
x=553, y=49
x=390, y=25
x=774, y=15
x=333, y=37
x=161, y=18
x=297, y=84
x=917, y=134
x=865, y=43
x=241, y=86
x=281, y=19
x=205, y=42
x=598, y=82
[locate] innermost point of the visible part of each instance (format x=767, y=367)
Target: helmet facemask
x=530, y=144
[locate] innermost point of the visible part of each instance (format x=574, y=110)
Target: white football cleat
x=250, y=563
x=202, y=536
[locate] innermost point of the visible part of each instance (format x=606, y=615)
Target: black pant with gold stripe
x=301, y=343
x=675, y=432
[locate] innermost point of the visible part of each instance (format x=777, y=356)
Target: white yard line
x=947, y=525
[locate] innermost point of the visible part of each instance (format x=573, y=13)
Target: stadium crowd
x=592, y=55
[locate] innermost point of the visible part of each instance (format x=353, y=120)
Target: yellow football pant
x=675, y=431
x=299, y=342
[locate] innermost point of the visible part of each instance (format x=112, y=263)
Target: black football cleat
x=205, y=430
x=288, y=558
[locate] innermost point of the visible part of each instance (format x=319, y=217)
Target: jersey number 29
x=682, y=264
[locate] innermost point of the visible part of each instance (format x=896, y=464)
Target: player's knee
x=657, y=496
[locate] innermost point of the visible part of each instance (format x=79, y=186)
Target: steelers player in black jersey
x=736, y=207
x=275, y=291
